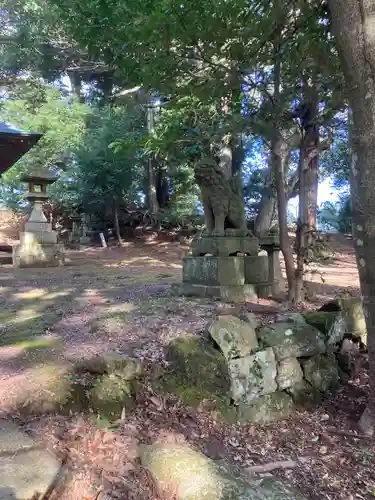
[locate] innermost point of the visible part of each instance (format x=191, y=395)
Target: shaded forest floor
x=119, y=299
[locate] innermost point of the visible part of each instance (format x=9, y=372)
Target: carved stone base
x=234, y=279
x=214, y=271
x=239, y=293
x=231, y=268
x=224, y=246
x=38, y=250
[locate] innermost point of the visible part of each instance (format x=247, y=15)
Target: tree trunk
x=152, y=199
x=302, y=228
x=309, y=174
x=285, y=243
x=117, y=226
x=161, y=186
x=267, y=205
x=353, y=25
x=76, y=84
x=279, y=161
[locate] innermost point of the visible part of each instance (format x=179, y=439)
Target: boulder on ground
x=26, y=469
x=350, y=318
x=292, y=317
x=109, y=395
x=322, y=320
x=348, y=357
x=289, y=373
x=182, y=473
x=292, y=339
x=58, y=388
x=197, y=369
x=304, y=395
x=249, y=317
x=322, y=373
x=112, y=362
x=266, y=409
x=253, y=376
x=235, y=338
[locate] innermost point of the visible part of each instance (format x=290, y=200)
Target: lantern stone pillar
x=38, y=245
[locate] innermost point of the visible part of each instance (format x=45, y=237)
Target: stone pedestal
x=227, y=267
x=38, y=245
x=270, y=244
x=75, y=234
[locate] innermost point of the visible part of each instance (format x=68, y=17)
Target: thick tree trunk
x=353, y=24
x=266, y=213
x=267, y=205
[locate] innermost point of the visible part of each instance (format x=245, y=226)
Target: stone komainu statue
x=222, y=201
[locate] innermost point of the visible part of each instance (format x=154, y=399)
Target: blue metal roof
x=8, y=129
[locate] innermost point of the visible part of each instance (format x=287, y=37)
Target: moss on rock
x=304, y=395
x=322, y=320
x=198, y=374
x=112, y=362
x=59, y=389
x=352, y=315
x=266, y=409
x=322, y=373
x=197, y=362
x=190, y=475
x=109, y=394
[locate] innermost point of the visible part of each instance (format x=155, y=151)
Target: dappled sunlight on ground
x=120, y=300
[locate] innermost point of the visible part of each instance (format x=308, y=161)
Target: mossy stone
x=64, y=392
x=266, y=409
x=322, y=320
x=194, y=395
x=112, y=362
x=304, y=395
x=322, y=373
x=109, y=394
x=352, y=314
x=186, y=474
x=196, y=361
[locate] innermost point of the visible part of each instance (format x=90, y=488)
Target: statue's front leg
x=219, y=229
x=209, y=218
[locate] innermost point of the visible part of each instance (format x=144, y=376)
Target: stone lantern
x=38, y=242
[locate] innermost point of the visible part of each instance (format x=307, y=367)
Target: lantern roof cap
x=40, y=174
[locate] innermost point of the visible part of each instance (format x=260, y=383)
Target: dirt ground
x=120, y=299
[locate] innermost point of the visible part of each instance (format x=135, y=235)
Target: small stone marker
x=102, y=239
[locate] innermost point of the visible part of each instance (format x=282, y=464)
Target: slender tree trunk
x=302, y=227
x=117, y=226
x=309, y=174
x=152, y=199
x=353, y=24
x=161, y=186
x=285, y=243
x=279, y=163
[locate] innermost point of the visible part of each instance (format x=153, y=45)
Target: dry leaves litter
x=120, y=300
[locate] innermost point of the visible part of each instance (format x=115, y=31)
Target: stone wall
x=254, y=373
